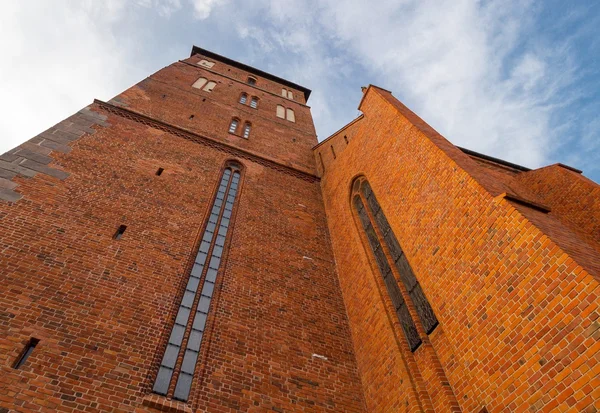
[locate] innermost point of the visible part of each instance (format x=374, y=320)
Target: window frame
x=233, y=121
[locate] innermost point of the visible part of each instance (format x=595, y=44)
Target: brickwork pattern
x=35, y=155
x=278, y=338
x=518, y=315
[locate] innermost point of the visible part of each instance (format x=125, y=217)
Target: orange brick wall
x=518, y=316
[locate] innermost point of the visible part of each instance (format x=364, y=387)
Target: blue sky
x=518, y=80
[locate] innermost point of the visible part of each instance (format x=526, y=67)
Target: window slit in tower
x=120, y=231
x=26, y=352
x=332, y=151
x=198, y=294
x=159, y=171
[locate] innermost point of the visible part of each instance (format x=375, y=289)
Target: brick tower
x=188, y=246
x=169, y=250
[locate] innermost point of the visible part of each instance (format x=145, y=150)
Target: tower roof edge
x=213, y=55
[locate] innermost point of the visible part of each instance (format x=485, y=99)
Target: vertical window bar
x=184, y=381
x=424, y=310
x=169, y=360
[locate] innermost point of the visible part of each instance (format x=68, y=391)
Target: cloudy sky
x=519, y=80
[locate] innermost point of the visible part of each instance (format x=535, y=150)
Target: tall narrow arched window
x=198, y=84
x=280, y=112
x=209, y=86
x=290, y=115
x=290, y=95
x=233, y=125
x=254, y=102
x=391, y=260
x=284, y=92
x=247, y=127
x=243, y=98
x=186, y=339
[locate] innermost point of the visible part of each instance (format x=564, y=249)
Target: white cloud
x=481, y=73
x=203, y=8
x=55, y=58
x=471, y=69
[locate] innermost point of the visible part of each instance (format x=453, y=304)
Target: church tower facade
x=168, y=250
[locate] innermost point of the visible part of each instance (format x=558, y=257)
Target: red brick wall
x=103, y=309
x=168, y=96
x=518, y=316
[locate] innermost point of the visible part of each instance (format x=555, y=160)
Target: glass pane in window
x=182, y=389
x=208, y=289
x=188, y=299
x=189, y=361
x=204, y=246
x=204, y=304
x=199, y=321
x=243, y=99
x=192, y=284
x=170, y=357
x=214, y=262
x=254, y=103
x=182, y=316
x=197, y=268
x=176, y=335
x=161, y=385
x=195, y=340
x=211, y=275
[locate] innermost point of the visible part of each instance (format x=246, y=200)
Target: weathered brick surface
x=278, y=338
x=518, y=315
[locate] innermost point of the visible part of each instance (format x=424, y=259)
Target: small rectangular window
x=290, y=95
x=251, y=81
x=119, y=234
x=233, y=126
x=280, y=112
x=284, y=93
x=26, y=352
x=209, y=86
x=290, y=115
x=198, y=84
x=159, y=171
